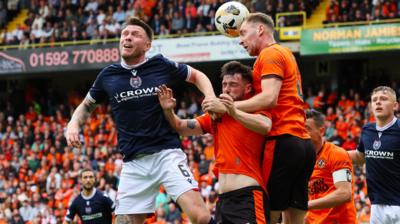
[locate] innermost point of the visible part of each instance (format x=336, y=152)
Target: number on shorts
x=184, y=172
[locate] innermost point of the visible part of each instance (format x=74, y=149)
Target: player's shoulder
x=397, y=124
x=77, y=200
x=335, y=152
x=157, y=58
x=101, y=194
x=111, y=69
x=371, y=126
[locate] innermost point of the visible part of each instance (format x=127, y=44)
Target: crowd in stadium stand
x=367, y=10
x=52, y=21
x=38, y=171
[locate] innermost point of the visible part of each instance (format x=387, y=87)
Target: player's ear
x=396, y=106
x=322, y=130
x=147, y=45
x=260, y=29
x=248, y=88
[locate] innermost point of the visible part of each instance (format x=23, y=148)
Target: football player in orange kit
x=330, y=188
x=239, y=144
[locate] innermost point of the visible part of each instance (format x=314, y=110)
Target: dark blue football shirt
x=131, y=92
x=96, y=209
x=381, y=147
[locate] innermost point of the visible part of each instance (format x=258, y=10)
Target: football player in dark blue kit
x=92, y=206
x=151, y=148
x=379, y=148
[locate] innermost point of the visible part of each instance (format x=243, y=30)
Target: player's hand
x=227, y=101
x=213, y=104
x=72, y=135
x=165, y=97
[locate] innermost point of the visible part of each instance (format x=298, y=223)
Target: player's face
x=88, y=180
x=235, y=86
x=383, y=105
x=134, y=42
x=314, y=132
x=248, y=38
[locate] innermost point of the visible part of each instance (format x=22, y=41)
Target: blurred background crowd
x=38, y=171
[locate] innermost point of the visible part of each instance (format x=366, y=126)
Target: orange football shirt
x=237, y=150
x=330, y=159
x=288, y=115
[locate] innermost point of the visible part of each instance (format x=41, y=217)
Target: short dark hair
x=138, y=22
x=233, y=67
x=263, y=18
x=317, y=116
x=85, y=170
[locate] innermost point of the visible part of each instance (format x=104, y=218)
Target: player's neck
x=382, y=122
x=268, y=41
x=87, y=192
x=319, y=147
x=133, y=62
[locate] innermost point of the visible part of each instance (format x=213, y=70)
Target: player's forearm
x=185, y=127
x=255, y=122
x=258, y=102
x=331, y=200
x=172, y=119
x=82, y=112
x=357, y=157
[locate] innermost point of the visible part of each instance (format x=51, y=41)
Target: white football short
x=141, y=178
x=385, y=214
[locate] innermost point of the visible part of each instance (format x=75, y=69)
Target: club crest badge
x=135, y=80
x=377, y=144
x=88, y=210
x=321, y=163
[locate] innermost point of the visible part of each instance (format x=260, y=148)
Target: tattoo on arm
x=191, y=124
x=83, y=111
x=123, y=219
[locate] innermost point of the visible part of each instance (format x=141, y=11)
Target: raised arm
x=81, y=113
x=255, y=122
x=184, y=127
x=266, y=99
x=202, y=82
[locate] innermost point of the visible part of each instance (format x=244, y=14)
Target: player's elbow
x=267, y=101
x=346, y=194
x=272, y=102
x=265, y=128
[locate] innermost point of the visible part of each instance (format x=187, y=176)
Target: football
x=229, y=17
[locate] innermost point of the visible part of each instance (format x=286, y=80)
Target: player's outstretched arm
x=255, y=122
x=184, y=127
x=357, y=157
x=81, y=113
x=266, y=99
x=202, y=82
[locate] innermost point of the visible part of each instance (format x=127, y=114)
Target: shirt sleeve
x=71, y=212
x=97, y=93
x=205, y=123
x=110, y=203
x=340, y=160
x=272, y=62
x=177, y=70
x=360, y=146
